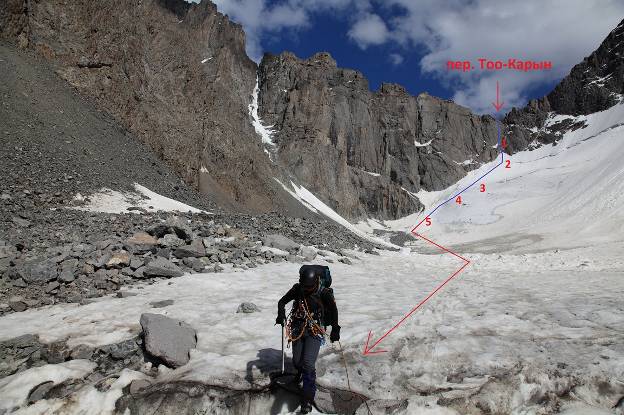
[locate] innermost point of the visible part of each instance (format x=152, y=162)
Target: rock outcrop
x=366, y=153
x=593, y=85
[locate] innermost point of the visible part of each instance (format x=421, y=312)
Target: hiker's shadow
x=269, y=363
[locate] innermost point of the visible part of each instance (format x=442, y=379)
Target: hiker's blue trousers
x=305, y=353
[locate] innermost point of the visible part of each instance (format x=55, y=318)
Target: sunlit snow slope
x=557, y=196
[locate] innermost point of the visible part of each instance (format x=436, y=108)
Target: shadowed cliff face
x=173, y=73
x=364, y=151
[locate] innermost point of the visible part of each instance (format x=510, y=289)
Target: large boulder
x=168, y=339
x=280, y=242
x=194, y=250
x=173, y=225
x=140, y=242
x=39, y=271
x=161, y=267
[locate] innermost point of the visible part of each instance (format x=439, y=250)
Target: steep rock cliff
x=175, y=74
x=366, y=152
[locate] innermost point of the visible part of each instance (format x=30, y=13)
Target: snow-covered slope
x=557, y=196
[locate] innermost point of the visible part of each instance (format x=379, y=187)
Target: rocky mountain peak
x=596, y=83
x=392, y=89
x=323, y=59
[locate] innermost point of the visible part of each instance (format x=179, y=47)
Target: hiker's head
x=309, y=281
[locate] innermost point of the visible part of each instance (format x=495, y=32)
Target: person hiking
x=314, y=308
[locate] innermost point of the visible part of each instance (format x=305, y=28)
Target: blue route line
x=500, y=148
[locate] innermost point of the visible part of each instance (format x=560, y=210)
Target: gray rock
x=160, y=267
x=69, y=264
x=168, y=339
x=174, y=225
x=161, y=303
x=121, y=350
x=55, y=352
x=40, y=391
x=7, y=251
x=74, y=298
x=138, y=273
x=136, y=263
x=138, y=385
x=17, y=304
x=39, y=271
x=195, y=264
x=280, y=242
x=171, y=241
x=308, y=253
x=21, y=222
x=53, y=285
x=247, y=308
x=19, y=283
x=164, y=253
x=125, y=294
x=209, y=242
x=345, y=260
x=66, y=276
x=82, y=351
x=194, y=249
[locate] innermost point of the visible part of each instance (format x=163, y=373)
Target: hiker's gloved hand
x=280, y=318
x=335, y=334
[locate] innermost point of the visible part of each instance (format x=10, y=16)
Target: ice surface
x=14, y=389
x=112, y=201
x=539, y=320
x=265, y=132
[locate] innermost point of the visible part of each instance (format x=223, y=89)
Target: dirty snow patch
x=317, y=206
x=14, y=389
x=113, y=201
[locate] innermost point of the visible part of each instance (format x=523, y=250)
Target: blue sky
x=409, y=41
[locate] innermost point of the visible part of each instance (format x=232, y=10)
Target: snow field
x=538, y=330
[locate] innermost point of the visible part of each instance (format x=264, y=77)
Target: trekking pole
x=282, y=349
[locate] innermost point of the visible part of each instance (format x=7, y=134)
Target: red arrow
x=498, y=104
x=368, y=350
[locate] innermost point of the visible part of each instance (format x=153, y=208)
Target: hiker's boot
x=306, y=407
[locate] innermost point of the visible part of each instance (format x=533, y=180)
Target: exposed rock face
x=174, y=73
x=595, y=84
x=362, y=151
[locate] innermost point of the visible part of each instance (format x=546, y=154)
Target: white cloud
x=561, y=31
x=369, y=30
x=396, y=59
x=262, y=17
